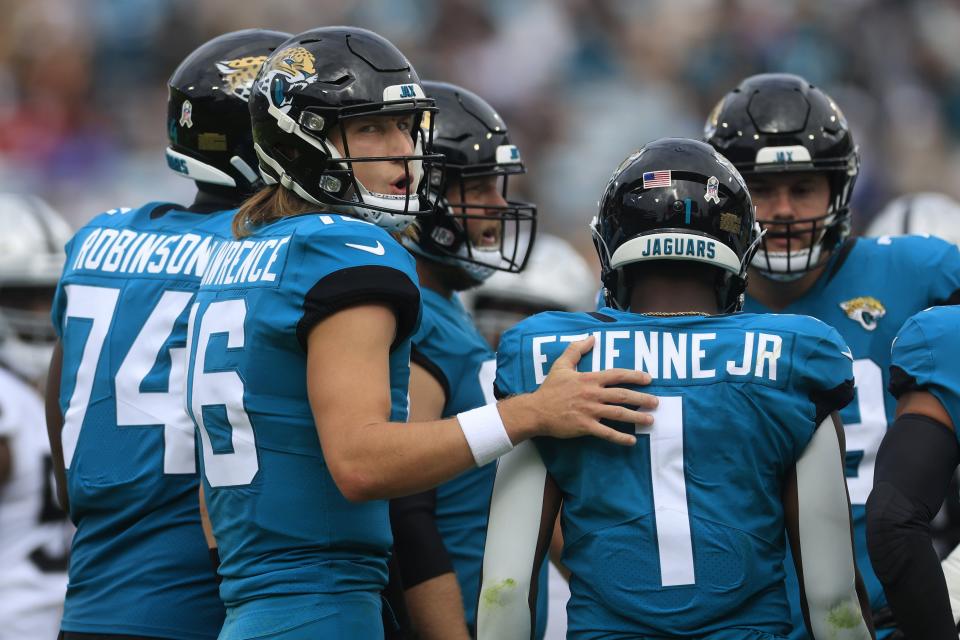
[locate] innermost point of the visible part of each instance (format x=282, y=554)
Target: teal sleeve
x=508, y=381
x=925, y=355
x=828, y=370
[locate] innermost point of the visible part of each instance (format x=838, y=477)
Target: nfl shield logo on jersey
x=866, y=310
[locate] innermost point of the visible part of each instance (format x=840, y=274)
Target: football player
x=123, y=445
x=475, y=232
x=299, y=348
x=682, y=535
x=794, y=147
x=34, y=532
x=915, y=463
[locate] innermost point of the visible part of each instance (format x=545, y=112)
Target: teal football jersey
x=926, y=357
x=449, y=347
x=139, y=563
x=281, y=523
x=868, y=290
x=682, y=535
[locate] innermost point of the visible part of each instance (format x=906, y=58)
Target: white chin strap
x=783, y=266
x=485, y=265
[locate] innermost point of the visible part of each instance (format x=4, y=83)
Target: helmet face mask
x=676, y=199
x=510, y=226
x=307, y=95
x=774, y=124
x=476, y=226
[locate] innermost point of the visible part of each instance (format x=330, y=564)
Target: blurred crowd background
x=581, y=83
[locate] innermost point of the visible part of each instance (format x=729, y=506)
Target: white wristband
x=487, y=437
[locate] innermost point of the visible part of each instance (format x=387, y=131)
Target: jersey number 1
x=674, y=542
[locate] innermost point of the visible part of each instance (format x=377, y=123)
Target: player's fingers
x=572, y=354
x=597, y=430
x=629, y=397
x=622, y=414
x=612, y=377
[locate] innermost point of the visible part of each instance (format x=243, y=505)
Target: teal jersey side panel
x=925, y=356
x=450, y=348
x=683, y=533
x=283, y=527
x=139, y=563
x=867, y=292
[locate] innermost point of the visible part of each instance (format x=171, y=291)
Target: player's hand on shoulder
x=570, y=404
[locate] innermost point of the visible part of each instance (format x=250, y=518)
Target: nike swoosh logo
x=377, y=250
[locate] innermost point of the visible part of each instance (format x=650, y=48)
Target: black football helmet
x=473, y=139
x=311, y=86
x=676, y=199
x=777, y=122
x=208, y=120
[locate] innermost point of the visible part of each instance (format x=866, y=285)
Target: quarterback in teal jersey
x=682, y=535
x=124, y=446
x=299, y=342
x=916, y=461
x=474, y=233
x=794, y=148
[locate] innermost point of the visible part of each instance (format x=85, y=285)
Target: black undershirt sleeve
x=418, y=545
x=914, y=465
x=362, y=285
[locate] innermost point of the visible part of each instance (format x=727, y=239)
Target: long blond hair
x=269, y=204
x=275, y=202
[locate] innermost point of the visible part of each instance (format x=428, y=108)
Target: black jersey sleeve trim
x=841, y=257
x=829, y=400
x=498, y=394
x=417, y=357
x=901, y=382
x=420, y=551
x=359, y=285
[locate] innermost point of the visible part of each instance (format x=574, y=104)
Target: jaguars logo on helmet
x=238, y=74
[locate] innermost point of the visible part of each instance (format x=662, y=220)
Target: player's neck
x=777, y=295
x=664, y=294
x=430, y=279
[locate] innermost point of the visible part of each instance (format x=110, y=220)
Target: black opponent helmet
x=676, y=199
x=777, y=122
x=473, y=139
x=307, y=89
x=208, y=121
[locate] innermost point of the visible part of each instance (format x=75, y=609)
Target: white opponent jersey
x=34, y=532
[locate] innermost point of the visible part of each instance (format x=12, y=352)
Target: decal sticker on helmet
x=730, y=222
x=653, y=179
x=712, y=194
x=186, y=114
x=238, y=75
x=508, y=154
